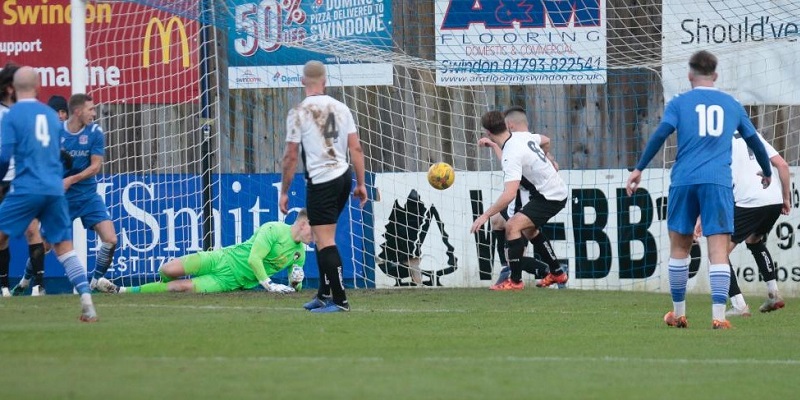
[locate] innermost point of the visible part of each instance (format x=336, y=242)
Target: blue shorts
x=18, y=210
x=713, y=203
x=91, y=211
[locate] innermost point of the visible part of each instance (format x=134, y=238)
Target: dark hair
x=58, y=103
x=494, y=122
x=78, y=100
x=513, y=109
x=7, y=80
x=703, y=63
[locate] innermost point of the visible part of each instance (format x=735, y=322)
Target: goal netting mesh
x=196, y=129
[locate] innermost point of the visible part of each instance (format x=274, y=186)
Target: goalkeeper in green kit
x=274, y=247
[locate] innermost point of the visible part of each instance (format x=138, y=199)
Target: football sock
x=499, y=238
x=330, y=265
x=154, y=287
x=734, y=289
x=738, y=302
x=5, y=260
x=533, y=267
x=104, y=257
x=27, y=275
x=75, y=271
x=772, y=286
x=324, y=290
x=720, y=279
x=678, y=276
x=516, y=248
x=543, y=248
x=764, y=260
x=36, y=262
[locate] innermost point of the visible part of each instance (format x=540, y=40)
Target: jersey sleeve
x=98, y=142
x=349, y=125
x=293, y=126
x=261, y=246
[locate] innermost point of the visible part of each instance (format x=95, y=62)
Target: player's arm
x=8, y=146
x=783, y=172
x=96, y=164
x=486, y=142
x=357, y=158
x=545, y=145
x=259, y=251
x=289, y=165
x=654, y=144
x=751, y=137
x=509, y=194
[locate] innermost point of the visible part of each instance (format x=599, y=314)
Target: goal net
x=196, y=128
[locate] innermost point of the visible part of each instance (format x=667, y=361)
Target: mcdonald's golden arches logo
x=165, y=33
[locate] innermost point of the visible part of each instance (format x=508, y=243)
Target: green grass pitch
x=395, y=344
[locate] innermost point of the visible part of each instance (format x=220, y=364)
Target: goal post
x=205, y=87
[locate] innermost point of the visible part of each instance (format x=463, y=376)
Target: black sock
x=36, y=254
x=533, y=267
x=499, y=238
x=734, y=288
x=764, y=260
x=516, y=248
x=324, y=291
x=543, y=248
x=330, y=264
x=5, y=260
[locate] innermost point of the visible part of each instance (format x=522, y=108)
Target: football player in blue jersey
x=31, y=135
x=84, y=141
x=36, y=247
x=701, y=182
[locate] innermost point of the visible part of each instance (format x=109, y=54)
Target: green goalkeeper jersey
x=271, y=249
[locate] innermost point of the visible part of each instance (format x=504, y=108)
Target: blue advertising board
x=273, y=39
x=160, y=217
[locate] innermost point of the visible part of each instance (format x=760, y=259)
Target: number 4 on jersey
x=42, y=131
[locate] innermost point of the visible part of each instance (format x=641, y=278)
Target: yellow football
x=441, y=175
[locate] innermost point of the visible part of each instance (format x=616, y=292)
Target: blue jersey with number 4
x=706, y=119
x=82, y=145
x=33, y=128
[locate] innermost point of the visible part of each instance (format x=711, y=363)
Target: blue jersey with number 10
x=35, y=131
x=706, y=119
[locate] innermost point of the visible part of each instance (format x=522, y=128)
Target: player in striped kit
x=706, y=119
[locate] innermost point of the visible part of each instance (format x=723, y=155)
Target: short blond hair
x=314, y=71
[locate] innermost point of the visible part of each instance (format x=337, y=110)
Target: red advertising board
x=136, y=54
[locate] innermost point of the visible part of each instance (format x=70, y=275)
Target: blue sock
x=75, y=271
x=678, y=276
x=104, y=257
x=720, y=279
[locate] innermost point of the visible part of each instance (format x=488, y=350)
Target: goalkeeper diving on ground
x=274, y=247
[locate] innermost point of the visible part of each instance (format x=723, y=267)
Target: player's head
x=59, y=103
x=26, y=83
x=82, y=109
x=314, y=74
x=301, y=228
x=702, y=68
x=516, y=119
x=494, y=123
x=7, y=95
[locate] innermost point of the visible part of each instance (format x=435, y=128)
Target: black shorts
x=5, y=186
x=754, y=221
x=325, y=201
x=539, y=211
